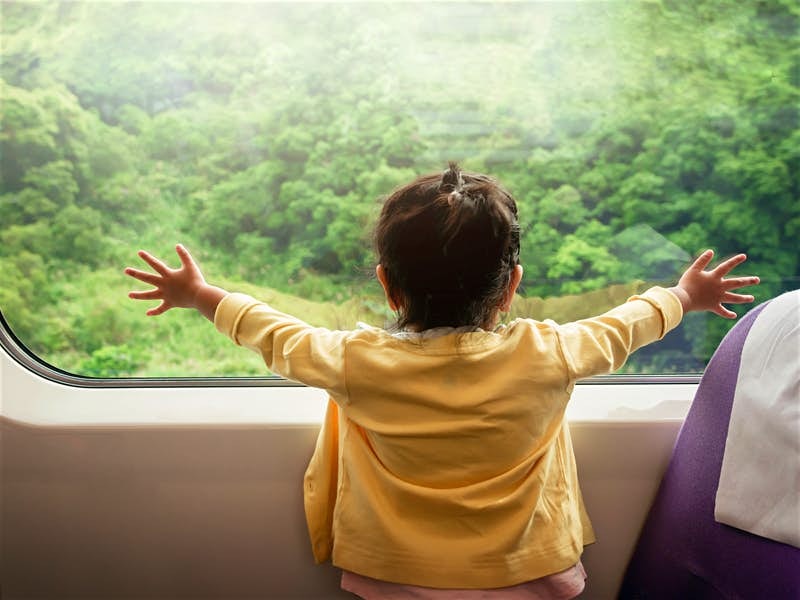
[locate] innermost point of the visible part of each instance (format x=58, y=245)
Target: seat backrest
x=682, y=551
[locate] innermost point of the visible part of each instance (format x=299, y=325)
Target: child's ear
x=380, y=272
x=513, y=284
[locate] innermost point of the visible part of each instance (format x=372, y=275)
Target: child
x=444, y=467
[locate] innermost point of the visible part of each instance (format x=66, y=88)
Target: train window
x=262, y=135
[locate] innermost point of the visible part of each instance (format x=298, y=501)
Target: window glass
x=263, y=135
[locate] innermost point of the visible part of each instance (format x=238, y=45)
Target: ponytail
x=452, y=181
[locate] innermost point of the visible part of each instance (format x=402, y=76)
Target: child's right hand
x=183, y=287
x=699, y=289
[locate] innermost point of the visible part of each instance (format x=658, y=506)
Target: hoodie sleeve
x=310, y=355
x=602, y=344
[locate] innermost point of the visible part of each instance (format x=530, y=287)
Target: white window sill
x=29, y=398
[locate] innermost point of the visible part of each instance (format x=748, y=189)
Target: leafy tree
x=112, y=361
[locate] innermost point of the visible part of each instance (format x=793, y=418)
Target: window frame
x=29, y=360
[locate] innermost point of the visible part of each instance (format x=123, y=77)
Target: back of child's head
x=448, y=244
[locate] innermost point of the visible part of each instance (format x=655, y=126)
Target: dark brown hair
x=448, y=244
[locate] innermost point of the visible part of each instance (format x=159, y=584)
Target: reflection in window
x=263, y=135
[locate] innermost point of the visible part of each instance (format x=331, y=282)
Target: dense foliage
x=263, y=135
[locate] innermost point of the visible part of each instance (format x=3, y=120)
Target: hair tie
x=451, y=180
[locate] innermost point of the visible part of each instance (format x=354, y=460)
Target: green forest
x=263, y=136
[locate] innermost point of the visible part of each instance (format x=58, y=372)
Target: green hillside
x=264, y=135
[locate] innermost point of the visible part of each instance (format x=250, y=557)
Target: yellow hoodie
x=446, y=461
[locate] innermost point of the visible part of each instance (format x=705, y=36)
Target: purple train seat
x=682, y=552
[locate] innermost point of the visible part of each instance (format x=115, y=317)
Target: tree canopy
x=263, y=136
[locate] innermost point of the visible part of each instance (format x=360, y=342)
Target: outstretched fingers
x=723, y=312
x=704, y=288
x=730, y=298
x=158, y=266
x=155, y=279
x=728, y=265
x=176, y=288
x=143, y=276
x=702, y=261
x=161, y=308
x=186, y=258
x=739, y=282
x=146, y=295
